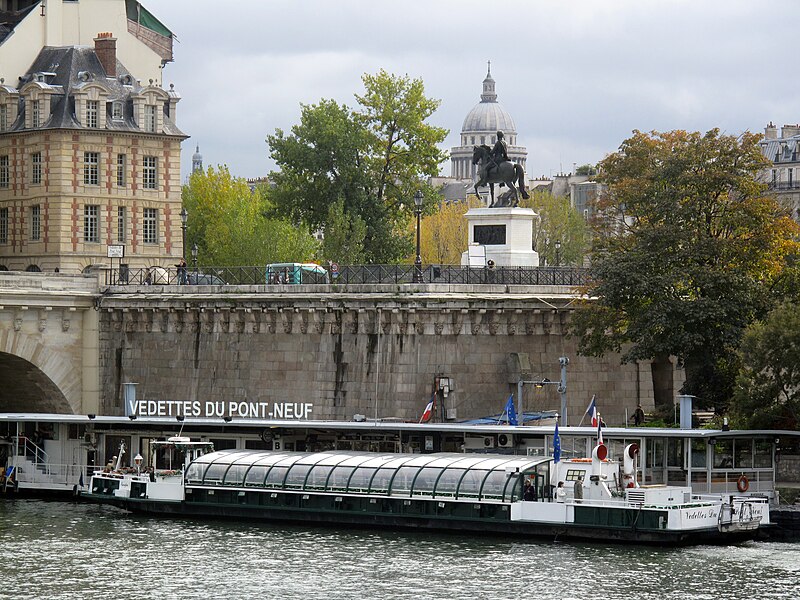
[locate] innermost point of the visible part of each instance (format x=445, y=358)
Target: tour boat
x=580, y=498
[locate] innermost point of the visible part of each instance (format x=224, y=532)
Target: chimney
x=788, y=131
x=105, y=46
x=770, y=132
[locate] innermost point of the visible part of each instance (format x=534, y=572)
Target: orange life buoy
x=742, y=484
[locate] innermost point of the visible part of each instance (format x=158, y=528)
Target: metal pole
x=520, y=384
x=418, y=259
x=562, y=388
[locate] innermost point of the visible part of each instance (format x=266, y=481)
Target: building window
x=36, y=113
x=120, y=170
x=3, y=225
x=90, y=223
x=36, y=222
x=150, y=226
x=150, y=173
x=36, y=168
x=116, y=111
x=4, y=171
x=150, y=118
x=3, y=117
x=120, y=223
x=91, y=166
x=91, y=114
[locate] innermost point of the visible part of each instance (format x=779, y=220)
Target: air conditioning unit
x=488, y=441
x=479, y=442
x=505, y=440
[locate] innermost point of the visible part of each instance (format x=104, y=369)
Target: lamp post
x=194, y=260
x=184, y=218
x=418, y=260
x=558, y=253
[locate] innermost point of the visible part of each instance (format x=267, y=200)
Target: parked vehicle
x=291, y=273
x=204, y=279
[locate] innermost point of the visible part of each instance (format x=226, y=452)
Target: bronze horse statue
x=505, y=172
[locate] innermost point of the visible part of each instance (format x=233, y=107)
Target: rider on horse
x=498, y=154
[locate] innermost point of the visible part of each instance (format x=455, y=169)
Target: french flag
x=599, y=430
x=591, y=410
x=428, y=412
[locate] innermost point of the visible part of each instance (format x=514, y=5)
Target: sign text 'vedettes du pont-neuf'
x=196, y=408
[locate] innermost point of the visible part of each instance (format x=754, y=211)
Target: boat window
x=675, y=452
x=763, y=454
x=403, y=480
x=275, y=477
x=235, y=475
x=743, y=453
x=194, y=474
x=359, y=482
x=381, y=480
x=255, y=476
x=723, y=454
x=297, y=476
x=339, y=477
x=471, y=484
x=426, y=480
x=699, y=451
x=215, y=473
x=494, y=485
x=448, y=482
x=318, y=477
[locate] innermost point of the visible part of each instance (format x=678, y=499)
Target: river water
x=65, y=550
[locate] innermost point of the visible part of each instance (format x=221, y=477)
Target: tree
x=685, y=251
x=344, y=236
x=767, y=393
x=587, y=170
x=559, y=221
x=228, y=223
x=372, y=160
x=444, y=233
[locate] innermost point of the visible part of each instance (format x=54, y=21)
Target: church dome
x=488, y=116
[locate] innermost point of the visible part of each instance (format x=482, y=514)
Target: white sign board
x=116, y=251
x=477, y=255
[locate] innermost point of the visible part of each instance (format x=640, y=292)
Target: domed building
x=480, y=127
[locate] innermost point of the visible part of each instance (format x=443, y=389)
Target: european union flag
x=510, y=411
x=556, y=445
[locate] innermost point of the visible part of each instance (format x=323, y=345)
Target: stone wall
x=356, y=353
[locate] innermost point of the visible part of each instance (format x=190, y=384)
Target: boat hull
x=398, y=519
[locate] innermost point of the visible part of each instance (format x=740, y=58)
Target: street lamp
x=418, y=259
x=184, y=218
x=194, y=260
x=558, y=252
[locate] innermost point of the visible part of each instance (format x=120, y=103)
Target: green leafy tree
x=444, y=234
x=686, y=250
x=559, y=222
x=228, y=223
x=343, y=242
x=371, y=159
x=768, y=388
x=587, y=169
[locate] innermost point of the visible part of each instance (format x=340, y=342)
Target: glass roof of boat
x=434, y=475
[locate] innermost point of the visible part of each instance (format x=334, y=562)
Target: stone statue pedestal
x=504, y=234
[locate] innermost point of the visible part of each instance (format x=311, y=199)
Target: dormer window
x=116, y=111
x=91, y=114
x=150, y=118
x=36, y=113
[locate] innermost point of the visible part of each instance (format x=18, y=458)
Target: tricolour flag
x=556, y=445
x=428, y=412
x=510, y=411
x=599, y=429
x=591, y=410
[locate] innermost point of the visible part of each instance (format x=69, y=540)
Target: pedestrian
x=561, y=493
x=182, y=271
x=578, y=492
x=638, y=416
x=529, y=493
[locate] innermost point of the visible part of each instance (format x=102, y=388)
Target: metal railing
x=351, y=275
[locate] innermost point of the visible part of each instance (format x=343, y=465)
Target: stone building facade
x=783, y=176
x=88, y=158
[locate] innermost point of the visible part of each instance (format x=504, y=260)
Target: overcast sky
x=577, y=76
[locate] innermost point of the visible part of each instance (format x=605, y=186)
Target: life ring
x=742, y=484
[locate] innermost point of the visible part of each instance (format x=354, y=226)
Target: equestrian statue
x=494, y=166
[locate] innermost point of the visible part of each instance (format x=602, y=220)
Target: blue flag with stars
x=556, y=445
x=510, y=411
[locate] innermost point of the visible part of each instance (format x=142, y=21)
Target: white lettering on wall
x=241, y=410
